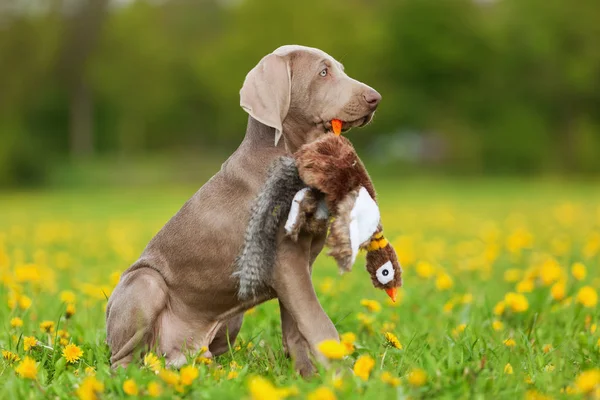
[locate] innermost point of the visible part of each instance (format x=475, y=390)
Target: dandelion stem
x=383, y=358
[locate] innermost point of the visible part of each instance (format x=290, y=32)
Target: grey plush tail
x=254, y=266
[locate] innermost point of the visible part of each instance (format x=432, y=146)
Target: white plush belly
x=364, y=220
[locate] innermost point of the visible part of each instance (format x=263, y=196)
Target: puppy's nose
x=372, y=97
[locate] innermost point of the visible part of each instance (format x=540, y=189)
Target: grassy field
x=500, y=299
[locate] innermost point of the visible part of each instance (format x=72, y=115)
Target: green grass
x=472, y=230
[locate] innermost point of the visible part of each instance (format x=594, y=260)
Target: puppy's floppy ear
x=266, y=92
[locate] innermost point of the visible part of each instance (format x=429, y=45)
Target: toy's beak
x=336, y=126
x=392, y=292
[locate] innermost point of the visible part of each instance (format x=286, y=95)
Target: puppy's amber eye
x=323, y=72
x=385, y=273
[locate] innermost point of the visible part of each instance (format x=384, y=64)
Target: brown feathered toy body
x=324, y=186
x=331, y=167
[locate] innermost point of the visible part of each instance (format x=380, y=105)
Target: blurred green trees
x=507, y=85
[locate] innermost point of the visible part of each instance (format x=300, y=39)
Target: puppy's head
x=309, y=87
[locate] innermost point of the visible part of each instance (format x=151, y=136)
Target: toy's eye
x=323, y=72
x=385, y=273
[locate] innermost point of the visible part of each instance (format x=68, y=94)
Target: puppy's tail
x=254, y=265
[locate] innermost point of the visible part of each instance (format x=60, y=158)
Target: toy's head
x=383, y=266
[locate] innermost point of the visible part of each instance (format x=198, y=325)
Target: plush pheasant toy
x=324, y=185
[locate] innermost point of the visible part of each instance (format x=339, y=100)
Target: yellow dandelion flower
x=587, y=381
x=448, y=307
x=417, y=377
x=525, y=286
x=16, y=322
x=348, y=339
x=558, y=290
x=24, y=302
x=90, y=371
x=333, y=349
x=516, y=302
x=234, y=365
x=499, y=308
x=510, y=343
x=337, y=382
x=154, y=389
x=363, y=366
x=169, y=377
x=63, y=334
x=204, y=360
x=392, y=340
x=232, y=375
x=261, y=389
x=10, y=356
x=389, y=326
x=549, y=368
x=528, y=379
x=288, y=391
x=188, y=374
x=366, y=321
x=327, y=285
x=28, y=273
x=425, y=270
x=550, y=272
x=47, y=326
x=90, y=388
x=593, y=328
x=443, y=282
x=459, y=329
x=130, y=388
x=371, y=305
x=67, y=296
x=391, y=380
x=70, y=310
x=27, y=369
x=218, y=373
x=29, y=342
x=321, y=393
x=152, y=362
x=63, y=342
x=498, y=325
x=72, y=353
x=512, y=275
x=12, y=300
x=508, y=369
x=467, y=298
x=547, y=348
x=587, y=297
x=578, y=270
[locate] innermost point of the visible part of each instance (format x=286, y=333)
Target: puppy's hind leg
x=132, y=313
x=221, y=342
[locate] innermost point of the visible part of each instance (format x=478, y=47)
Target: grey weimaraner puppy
x=180, y=295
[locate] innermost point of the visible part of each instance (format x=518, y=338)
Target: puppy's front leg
x=293, y=342
x=293, y=285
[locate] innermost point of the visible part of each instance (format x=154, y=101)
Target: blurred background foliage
x=469, y=87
